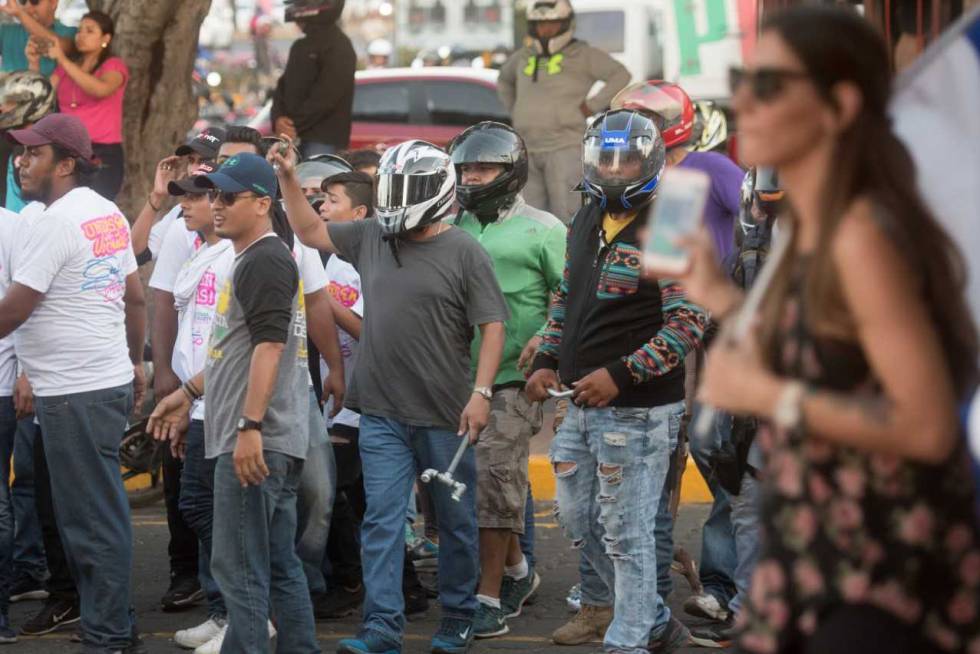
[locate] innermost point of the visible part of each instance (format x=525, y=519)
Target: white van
x=691, y=42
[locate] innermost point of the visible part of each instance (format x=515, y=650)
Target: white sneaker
x=213, y=646
x=705, y=606
x=196, y=636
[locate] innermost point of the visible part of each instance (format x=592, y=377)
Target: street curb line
x=693, y=487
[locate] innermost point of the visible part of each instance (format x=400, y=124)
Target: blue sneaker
x=453, y=637
x=368, y=642
x=7, y=635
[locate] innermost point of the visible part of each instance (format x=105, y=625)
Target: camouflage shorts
x=501, y=460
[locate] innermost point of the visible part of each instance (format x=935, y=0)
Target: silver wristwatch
x=485, y=391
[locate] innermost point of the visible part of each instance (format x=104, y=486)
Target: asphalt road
x=529, y=633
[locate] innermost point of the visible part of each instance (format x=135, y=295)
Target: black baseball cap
x=205, y=144
x=243, y=172
x=187, y=185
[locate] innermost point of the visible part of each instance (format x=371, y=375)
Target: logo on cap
x=231, y=163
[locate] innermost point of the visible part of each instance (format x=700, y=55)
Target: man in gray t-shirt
x=414, y=359
x=256, y=416
x=426, y=287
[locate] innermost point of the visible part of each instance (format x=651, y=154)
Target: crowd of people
x=339, y=338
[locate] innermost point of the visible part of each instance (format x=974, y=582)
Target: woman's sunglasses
x=766, y=84
x=33, y=3
x=228, y=198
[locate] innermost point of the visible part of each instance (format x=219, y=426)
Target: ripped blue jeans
x=611, y=464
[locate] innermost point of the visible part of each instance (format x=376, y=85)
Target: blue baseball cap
x=242, y=172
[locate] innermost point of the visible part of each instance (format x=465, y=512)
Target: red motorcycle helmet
x=670, y=105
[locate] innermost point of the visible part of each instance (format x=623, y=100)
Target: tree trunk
x=158, y=41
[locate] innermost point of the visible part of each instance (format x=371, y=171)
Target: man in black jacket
x=618, y=340
x=313, y=98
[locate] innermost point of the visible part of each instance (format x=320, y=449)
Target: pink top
x=101, y=116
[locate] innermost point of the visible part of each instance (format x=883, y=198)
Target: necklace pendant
x=74, y=105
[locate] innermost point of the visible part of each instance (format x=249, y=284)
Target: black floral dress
x=842, y=526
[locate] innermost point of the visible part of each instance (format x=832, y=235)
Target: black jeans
x=109, y=179
x=183, y=541
x=61, y=585
x=343, y=545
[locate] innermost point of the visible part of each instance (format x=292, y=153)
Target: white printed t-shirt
x=10, y=222
x=345, y=287
x=210, y=265
x=178, y=246
x=159, y=231
x=78, y=253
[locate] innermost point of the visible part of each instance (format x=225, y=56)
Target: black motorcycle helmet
x=623, y=158
x=316, y=12
x=495, y=143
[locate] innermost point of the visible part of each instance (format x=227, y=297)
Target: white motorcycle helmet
x=416, y=187
x=550, y=10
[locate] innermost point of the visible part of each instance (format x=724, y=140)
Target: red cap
x=58, y=129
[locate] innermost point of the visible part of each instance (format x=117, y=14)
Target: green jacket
x=527, y=247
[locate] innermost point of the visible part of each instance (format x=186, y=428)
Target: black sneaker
x=27, y=588
x=714, y=636
x=55, y=614
x=416, y=600
x=183, y=593
x=338, y=603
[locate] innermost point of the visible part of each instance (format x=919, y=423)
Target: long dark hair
x=107, y=26
x=836, y=45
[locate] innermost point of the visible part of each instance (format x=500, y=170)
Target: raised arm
x=100, y=85
x=34, y=28
x=166, y=171
x=306, y=224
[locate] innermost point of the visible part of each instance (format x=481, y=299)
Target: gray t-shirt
x=414, y=360
x=260, y=302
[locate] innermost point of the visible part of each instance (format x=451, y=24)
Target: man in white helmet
x=427, y=285
x=546, y=88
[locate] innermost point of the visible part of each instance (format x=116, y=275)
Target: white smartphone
x=677, y=211
x=559, y=394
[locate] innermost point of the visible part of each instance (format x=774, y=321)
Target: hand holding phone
x=676, y=212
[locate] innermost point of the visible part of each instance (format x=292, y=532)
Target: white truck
x=691, y=42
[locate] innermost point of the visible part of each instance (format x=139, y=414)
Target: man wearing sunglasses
x=35, y=20
x=257, y=431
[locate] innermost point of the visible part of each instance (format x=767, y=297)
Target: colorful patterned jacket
x=606, y=315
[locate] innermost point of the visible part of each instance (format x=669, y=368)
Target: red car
x=393, y=105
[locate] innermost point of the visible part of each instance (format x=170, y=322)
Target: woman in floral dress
x=864, y=347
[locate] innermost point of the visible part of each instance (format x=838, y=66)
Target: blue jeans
x=665, y=531
x=392, y=454
x=254, y=558
x=745, y=519
x=317, y=486
x=607, y=505
x=527, y=538
x=29, y=559
x=718, y=558
x=197, y=508
x=8, y=431
x=82, y=432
